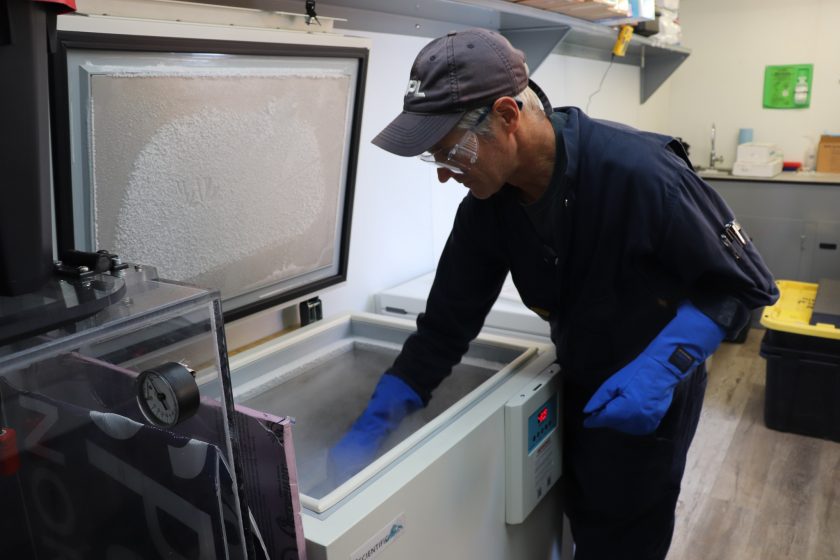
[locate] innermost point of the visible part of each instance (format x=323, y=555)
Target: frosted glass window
x=225, y=171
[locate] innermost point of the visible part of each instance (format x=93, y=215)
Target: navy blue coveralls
x=636, y=232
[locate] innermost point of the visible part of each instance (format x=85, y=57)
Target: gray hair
x=530, y=102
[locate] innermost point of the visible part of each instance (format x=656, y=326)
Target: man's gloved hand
x=392, y=401
x=635, y=398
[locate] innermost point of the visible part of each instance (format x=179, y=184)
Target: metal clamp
x=736, y=233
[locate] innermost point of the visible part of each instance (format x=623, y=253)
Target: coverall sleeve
x=468, y=280
x=725, y=279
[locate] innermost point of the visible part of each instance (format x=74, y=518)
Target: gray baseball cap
x=450, y=76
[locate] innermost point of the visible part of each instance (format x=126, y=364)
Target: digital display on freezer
x=542, y=422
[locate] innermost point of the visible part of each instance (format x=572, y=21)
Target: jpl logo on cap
x=414, y=89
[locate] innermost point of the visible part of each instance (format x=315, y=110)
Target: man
x=609, y=235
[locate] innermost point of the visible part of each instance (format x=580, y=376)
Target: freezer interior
x=325, y=377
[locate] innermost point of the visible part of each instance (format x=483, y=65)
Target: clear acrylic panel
x=84, y=471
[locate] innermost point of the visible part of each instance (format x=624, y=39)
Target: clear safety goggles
x=460, y=157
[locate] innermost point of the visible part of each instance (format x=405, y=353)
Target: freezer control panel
x=542, y=422
x=533, y=462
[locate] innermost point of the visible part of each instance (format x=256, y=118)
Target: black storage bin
x=803, y=384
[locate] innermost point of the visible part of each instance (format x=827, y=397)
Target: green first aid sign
x=788, y=87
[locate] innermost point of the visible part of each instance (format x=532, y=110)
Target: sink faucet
x=713, y=158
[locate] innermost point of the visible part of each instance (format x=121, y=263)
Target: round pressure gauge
x=167, y=394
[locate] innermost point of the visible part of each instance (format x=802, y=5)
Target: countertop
x=811, y=177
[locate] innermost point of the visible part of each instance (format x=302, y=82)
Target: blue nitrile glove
x=392, y=400
x=635, y=398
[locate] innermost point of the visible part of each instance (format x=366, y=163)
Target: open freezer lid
x=223, y=163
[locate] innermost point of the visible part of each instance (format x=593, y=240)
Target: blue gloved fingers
x=356, y=449
x=634, y=399
x=350, y=455
x=630, y=415
x=392, y=400
x=605, y=394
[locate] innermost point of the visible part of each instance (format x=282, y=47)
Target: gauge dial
x=167, y=394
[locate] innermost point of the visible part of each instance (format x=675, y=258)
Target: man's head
x=463, y=88
x=451, y=75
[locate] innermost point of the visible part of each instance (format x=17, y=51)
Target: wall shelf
x=537, y=32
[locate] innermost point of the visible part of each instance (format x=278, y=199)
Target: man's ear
x=507, y=113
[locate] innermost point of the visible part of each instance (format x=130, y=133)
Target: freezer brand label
x=381, y=540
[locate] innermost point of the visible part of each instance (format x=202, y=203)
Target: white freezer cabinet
x=458, y=479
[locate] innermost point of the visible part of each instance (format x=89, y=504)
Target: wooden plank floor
x=751, y=493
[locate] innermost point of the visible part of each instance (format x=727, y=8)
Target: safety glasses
x=461, y=157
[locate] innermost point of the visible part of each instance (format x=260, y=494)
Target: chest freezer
x=456, y=480
x=508, y=316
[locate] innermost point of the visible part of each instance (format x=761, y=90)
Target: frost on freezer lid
x=231, y=182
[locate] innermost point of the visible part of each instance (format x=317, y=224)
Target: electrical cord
x=310, y=13
x=604, y=77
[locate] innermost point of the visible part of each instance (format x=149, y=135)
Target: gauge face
x=157, y=400
x=167, y=394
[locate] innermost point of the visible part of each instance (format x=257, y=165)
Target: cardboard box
x=588, y=10
x=547, y=4
x=828, y=154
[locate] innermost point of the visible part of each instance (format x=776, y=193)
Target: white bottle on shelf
x=809, y=159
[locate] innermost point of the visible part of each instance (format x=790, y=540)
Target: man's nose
x=444, y=174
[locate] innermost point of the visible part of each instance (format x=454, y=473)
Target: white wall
x=391, y=236
x=722, y=81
